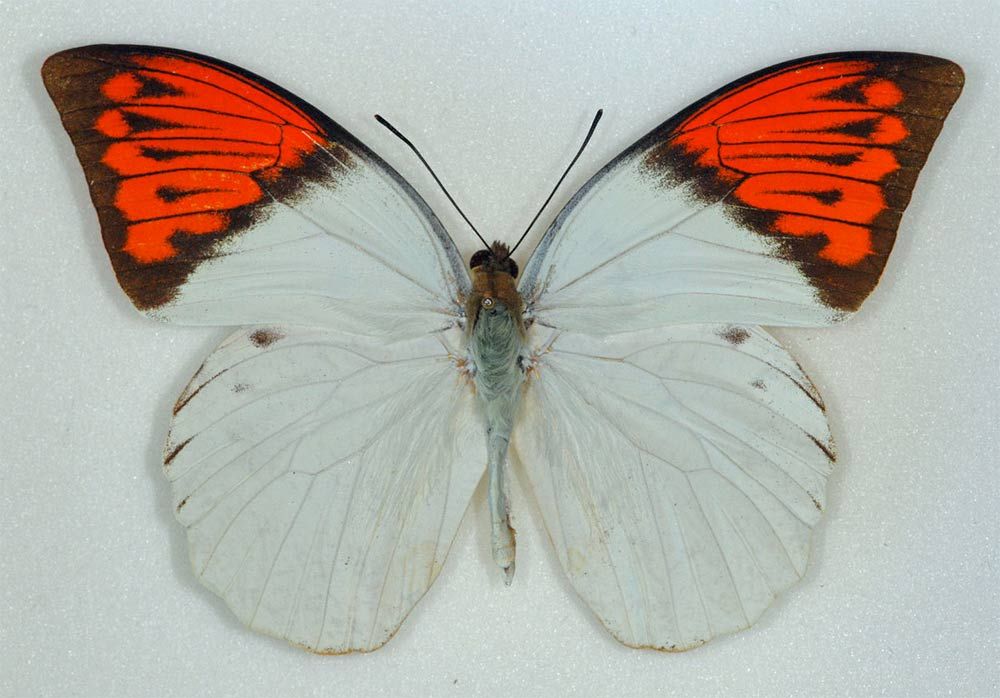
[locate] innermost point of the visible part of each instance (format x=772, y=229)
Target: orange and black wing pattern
x=819, y=154
x=181, y=153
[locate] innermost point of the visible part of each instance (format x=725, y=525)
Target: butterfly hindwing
x=321, y=480
x=224, y=199
x=775, y=200
x=679, y=473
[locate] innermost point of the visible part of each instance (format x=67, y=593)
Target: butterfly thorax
x=496, y=344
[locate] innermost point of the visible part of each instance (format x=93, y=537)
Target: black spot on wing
x=734, y=335
x=265, y=337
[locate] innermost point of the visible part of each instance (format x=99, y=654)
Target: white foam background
x=901, y=597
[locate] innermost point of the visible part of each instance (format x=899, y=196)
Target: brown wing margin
x=183, y=151
x=819, y=154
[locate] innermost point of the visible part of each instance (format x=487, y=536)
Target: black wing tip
x=61, y=65
x=902, y=59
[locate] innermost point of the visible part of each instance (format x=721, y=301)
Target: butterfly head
x=495, y=259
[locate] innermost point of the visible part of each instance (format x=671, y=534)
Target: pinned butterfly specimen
x=322, y=458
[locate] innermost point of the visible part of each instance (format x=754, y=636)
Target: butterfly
x=322, y=457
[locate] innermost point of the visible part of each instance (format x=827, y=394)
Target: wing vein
x=632, y=248
x=349, y=243
x=604, y=543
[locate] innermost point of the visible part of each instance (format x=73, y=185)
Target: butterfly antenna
x=593, y=127
x=400, y=136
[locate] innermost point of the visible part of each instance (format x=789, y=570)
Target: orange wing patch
x=820, y=155
x=181, y=152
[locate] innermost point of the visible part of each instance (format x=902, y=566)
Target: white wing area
x=321, y=483
x=632, y=252
x=358, y=251
x=679, y=473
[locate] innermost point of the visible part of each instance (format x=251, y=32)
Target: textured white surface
x=680, y=496
x=322, y=481
x=901, y=597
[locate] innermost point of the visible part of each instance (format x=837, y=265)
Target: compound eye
x=487, y=302
x=479, y=258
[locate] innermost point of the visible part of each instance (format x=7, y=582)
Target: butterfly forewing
x=225, y=200
x=774, y=201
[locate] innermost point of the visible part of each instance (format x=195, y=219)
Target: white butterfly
x=322, y=459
